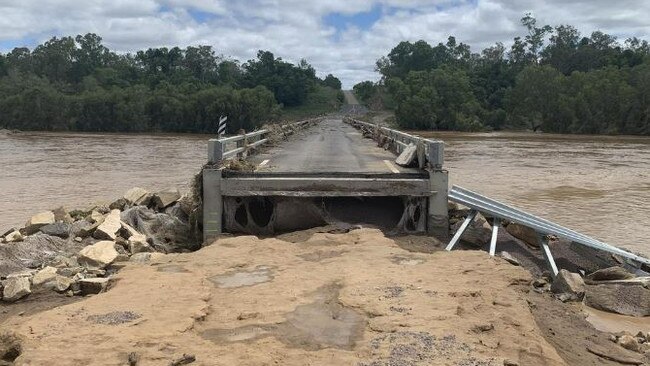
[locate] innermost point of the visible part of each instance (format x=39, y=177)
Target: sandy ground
x=311, y=298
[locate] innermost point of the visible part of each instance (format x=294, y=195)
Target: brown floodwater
x=599, y=185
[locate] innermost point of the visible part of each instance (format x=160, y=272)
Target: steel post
x=495, y=233
x=461, y=230
x=546, y=250
x=212, y=204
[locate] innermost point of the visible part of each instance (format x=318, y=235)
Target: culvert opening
x=272, y=215
x=383, y=212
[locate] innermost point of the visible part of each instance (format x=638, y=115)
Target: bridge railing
x=433, y=150
x=238, y=146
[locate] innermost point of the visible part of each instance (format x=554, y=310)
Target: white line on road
x=391, y=167
x=264, y=163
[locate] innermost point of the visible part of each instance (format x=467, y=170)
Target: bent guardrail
x=500, y=211
x=431, y=150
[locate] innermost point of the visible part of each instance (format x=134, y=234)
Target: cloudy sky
x=343, y=37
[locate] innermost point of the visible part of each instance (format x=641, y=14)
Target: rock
x=628, y=342
x=82, y=228
x=540, y=282
x=60, y=229
x=62, y=261
x=46, y=274
x=98, y=255
x=138, y=196
x=33, y=252
x=129, y=229
x=29, y=273
x=97, y=217
x=119, y=204
x=13, y=237
x=523, y=233
x=509, y=258
x=69, y=271
x=610, y=274
x=108, y=229
x=140, y=258
x=92, y=286
x=59, y=284
x=10, y=347
x=37, y=221
x=16, y=288
x=569, y=283
x=631, y=298
x=508, y=362
x=138, y=244
x=62, y=215
x=478, y=233
x=408, y=155
x=165, y=198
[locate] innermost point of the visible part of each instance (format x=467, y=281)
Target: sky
x=342, y=37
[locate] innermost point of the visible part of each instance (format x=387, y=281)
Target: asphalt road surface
x=328, y=147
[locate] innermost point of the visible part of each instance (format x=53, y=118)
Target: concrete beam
x=325, y=187
x=212, y=204
x=438, y=216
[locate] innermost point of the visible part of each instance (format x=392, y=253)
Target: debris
x=184, y=360
x=133, y=359
x=630, y=343
x=408, y=156
x=98, y=255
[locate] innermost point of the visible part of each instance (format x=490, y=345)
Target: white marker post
x=222, y=126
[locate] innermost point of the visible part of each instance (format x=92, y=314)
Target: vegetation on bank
x=79, y=84
x=551, y=79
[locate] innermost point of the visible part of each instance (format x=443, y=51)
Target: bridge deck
x=332, y=147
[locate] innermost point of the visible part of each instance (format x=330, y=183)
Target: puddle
x=322, y=324
x=321, y=255
x=236, y=279
x=614, y=323
x=172, y=268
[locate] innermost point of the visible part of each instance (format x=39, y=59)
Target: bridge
x=313, y=172
x=309, y=169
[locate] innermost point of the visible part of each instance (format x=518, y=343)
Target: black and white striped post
x=222, y=126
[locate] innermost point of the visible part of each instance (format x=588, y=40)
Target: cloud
x=341, y=37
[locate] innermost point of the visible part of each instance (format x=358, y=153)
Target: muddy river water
x=599, y=185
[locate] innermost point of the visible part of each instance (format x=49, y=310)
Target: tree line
x=77, y=83
x=551, y=79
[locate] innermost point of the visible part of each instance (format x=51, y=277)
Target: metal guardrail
x=433, y=149
x=235, y=146
x=498, y=211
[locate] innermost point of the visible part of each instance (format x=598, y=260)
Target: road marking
x=264, y=163
x=391, y=167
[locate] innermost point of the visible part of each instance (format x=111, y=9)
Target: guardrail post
x=215, y=151
x=212, y=204
x=436, y=154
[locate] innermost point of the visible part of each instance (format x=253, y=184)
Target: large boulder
x=165, y=198
x=569, y=283
x=108, y=229
x=523, y=233
x=167, y=233
x=138, y=244
x=37, y=221
x=92, y=286
x=16, y=288
x=98, y=255
x=610, y=274
x=622, y=297
x=478, y=233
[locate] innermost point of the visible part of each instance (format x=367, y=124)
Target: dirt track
x=316, y=298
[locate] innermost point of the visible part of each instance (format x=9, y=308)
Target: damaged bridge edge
x=432, y=184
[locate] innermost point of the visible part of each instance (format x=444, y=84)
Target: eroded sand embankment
x=353, y=298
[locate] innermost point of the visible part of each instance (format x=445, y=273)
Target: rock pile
x=75, y=252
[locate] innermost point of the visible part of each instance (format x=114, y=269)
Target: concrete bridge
x=315, y=171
